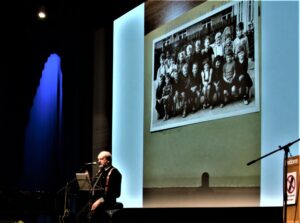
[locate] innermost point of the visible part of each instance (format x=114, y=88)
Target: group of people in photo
x=203, y=74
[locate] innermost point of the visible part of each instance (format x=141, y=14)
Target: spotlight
x=42, y=13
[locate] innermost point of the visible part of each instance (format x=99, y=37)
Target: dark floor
x=201, y=215
x=174, y=215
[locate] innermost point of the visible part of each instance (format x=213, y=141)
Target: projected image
x=206, y=69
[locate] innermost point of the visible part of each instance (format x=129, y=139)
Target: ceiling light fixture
x=42, y=13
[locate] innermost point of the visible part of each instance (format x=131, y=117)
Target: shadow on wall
x=205, y=181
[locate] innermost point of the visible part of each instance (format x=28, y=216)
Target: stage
x=41, y=207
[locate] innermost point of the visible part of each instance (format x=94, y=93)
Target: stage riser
x=159, y=215
x=200, y=215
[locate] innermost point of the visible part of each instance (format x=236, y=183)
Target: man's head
x=104, y=158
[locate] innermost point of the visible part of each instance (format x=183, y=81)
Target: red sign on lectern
x=292, y=184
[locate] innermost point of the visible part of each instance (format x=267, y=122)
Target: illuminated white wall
x=280, y=97
x=128, y=104
x=280, y=92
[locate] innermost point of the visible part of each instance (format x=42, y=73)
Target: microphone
x=91, y=163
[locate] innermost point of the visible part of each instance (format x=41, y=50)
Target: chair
x=116, y=207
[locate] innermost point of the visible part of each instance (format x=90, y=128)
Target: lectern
x=292, y=189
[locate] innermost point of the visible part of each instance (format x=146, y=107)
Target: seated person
x=106, y=188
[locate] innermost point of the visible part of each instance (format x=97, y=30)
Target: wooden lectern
x=292, y=189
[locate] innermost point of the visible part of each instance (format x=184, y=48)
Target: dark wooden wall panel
x=158, y=13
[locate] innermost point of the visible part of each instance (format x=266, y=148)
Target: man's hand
x=96, y=204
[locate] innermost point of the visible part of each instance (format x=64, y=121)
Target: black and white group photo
x=207, y=69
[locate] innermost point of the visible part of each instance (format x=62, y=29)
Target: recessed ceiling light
x=42, y=13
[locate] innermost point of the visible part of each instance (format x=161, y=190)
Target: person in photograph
x=218, y=46
x=172, y=65
x=229, y=77
x=206, y=77
x=217, y=82
x=189, y=52
x=207, y=51
x=241, y=39
x=167, y=96
x=189, y=56
x=162, y=69
x=177, y=100
x=168, y=57
x=244, y=80
x=181, y=60
x=228, y=44
x=250, y=35
x=227, y=31
x=195, y=87
x=185, y=83
x=158, y=95
x=197, y=56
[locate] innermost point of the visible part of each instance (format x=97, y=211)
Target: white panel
x=128, y=104
x=280, y=93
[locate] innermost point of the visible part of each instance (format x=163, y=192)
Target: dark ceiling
x=27, y=41
x=62, y=12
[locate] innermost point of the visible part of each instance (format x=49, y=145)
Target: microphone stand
x=286, y=149
x=66, y=209
x=66, y=195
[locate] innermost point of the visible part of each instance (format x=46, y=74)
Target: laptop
x=84, y=182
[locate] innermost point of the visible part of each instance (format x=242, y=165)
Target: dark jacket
x=108, y=186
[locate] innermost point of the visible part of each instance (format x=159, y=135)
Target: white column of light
x=128, y=104
x=299, y=73
x=280, y=93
